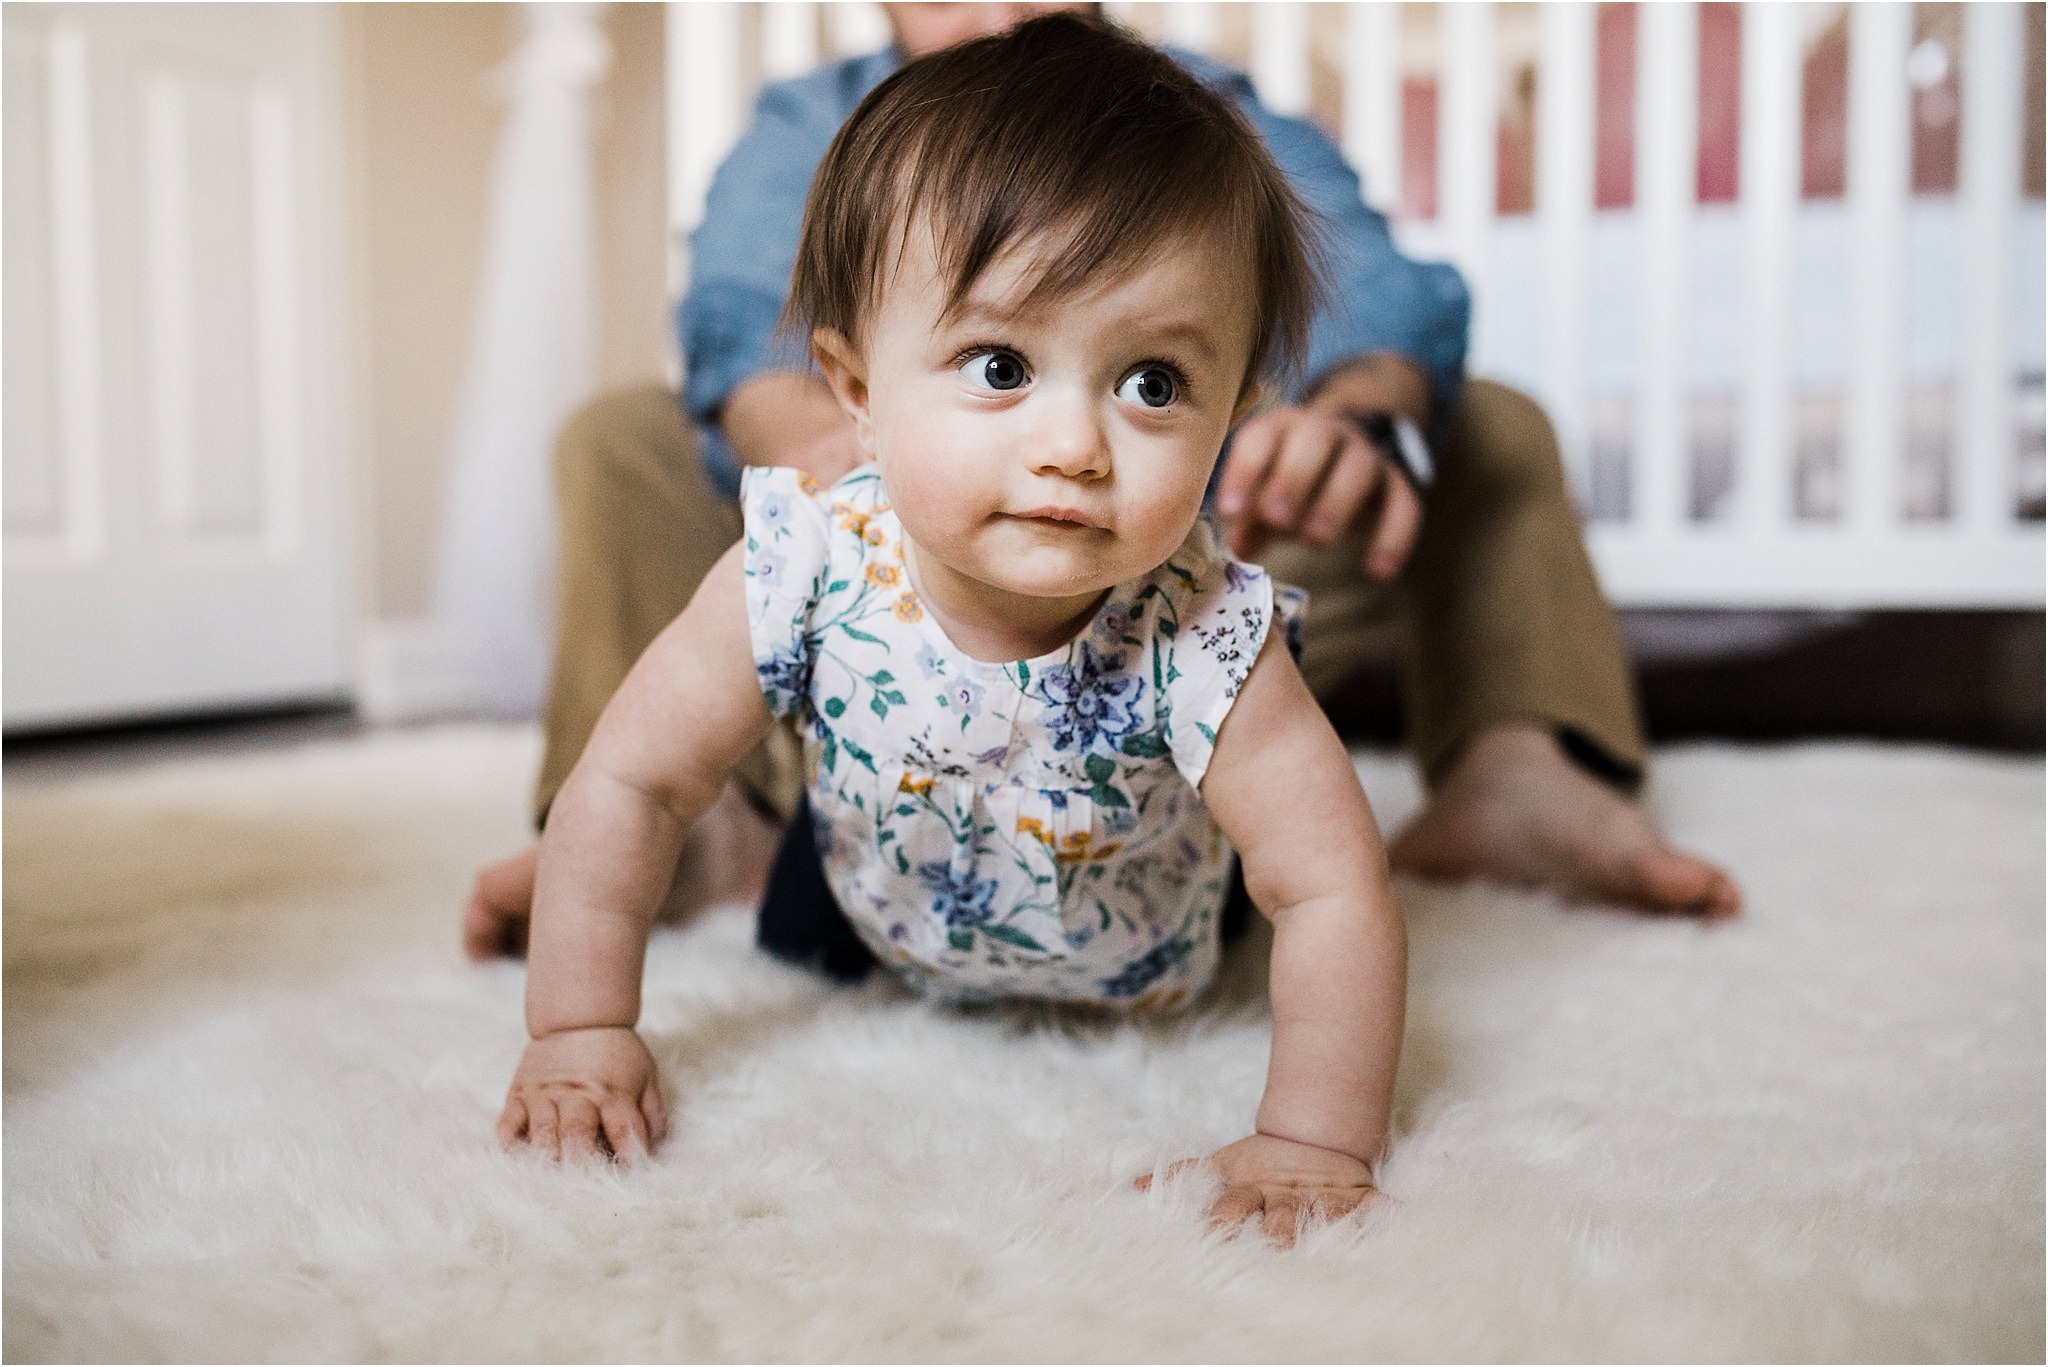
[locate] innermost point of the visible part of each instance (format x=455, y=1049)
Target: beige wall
x=423, y=122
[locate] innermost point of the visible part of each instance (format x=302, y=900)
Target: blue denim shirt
x=744, y=250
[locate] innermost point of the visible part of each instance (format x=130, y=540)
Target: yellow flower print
x=883, y=576
x=807, y=482
x=1074, y=848
x=1033, y=827
x=908, y=609
x=920, y=786
x=872, y=534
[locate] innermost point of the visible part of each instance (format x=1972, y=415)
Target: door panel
x=174, y=511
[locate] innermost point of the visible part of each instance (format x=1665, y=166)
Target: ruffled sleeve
x=1212, y=622
x=788, y=542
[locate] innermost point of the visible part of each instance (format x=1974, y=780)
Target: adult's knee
x=1505, y=441
x=621, y=438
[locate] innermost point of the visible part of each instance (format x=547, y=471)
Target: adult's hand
x=789, y=418
x=1306, y=470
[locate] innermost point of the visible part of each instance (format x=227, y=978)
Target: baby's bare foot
x=726, y=859
x=1516, y=810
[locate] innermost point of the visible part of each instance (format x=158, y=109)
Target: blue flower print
x=1091, y=703
x=959, y=899
x=1114, y=622
x=929, y=662
x=1142, y=972
x=964, y=696
x=785, y=677
x=769, y=570
x=771, y=512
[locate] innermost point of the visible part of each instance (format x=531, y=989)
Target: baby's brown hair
x=1066, y=126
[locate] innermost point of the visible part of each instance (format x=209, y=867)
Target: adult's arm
x=741, y=256
x=1379, y=300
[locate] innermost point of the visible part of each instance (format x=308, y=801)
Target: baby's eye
x=997, y=370
x=1152, y=387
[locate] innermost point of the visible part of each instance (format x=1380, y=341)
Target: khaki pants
x=1497, y=615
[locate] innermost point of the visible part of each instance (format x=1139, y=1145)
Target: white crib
x=1734, y=405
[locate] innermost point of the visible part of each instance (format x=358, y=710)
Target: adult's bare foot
x=725, y=859
x=1516, y=809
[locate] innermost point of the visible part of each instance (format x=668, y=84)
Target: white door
x=175, y=518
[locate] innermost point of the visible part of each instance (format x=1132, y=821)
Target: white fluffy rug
x=250, y=1085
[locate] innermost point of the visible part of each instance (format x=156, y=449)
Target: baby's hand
x=1283, y=1179
x=581, y=1092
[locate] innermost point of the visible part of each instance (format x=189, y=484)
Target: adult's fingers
x=656, y=1111
x=511, y=1122
x=1394, y=528
x=1306, y=454
x=625, y=1129
x=1354, y=473
x=1253, y=450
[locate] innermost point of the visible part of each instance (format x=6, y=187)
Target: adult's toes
x=1669, y=880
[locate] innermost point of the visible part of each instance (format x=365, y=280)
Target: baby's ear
x=846, y=371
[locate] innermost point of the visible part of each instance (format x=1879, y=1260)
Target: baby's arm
x=686, y=714
x=1282, y=787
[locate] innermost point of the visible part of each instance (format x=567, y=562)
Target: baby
x=1043, y=273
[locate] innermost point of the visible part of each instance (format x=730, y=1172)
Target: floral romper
x=1019, y=829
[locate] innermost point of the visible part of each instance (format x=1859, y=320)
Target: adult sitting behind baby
x=1520, y=705
x=1044, y=274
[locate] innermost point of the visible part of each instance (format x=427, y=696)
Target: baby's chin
x=1053, y=572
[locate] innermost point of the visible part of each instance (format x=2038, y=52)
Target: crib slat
x=1878, y=164
x=1280, y=55
x=1372, y=100
x=705, y=100
x=1193, y=24
x=1769, y=207
x=789, y=38
x=1982, y=472
x=1667, y=143
x=1467, y=155
x=1564, y=206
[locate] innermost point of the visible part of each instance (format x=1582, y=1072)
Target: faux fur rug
x=250, y=1085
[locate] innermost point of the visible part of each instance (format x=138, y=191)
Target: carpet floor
x=249, y=1088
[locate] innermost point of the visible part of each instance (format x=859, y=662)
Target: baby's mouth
x=1053, y=516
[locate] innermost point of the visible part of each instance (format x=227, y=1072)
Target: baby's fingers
x=1235, y=1206
x=543, y=1130
x=625, y=1129
x=655, y=1110
x=511, y=1122
x=580, y=1127
x=1283, y=1212
x=1173, y=1170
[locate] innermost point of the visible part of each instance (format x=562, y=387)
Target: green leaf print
x=1144, y=745
x=895, y=696
x=863, y=756
x=1099, y=768
x=1023, y=675
x=962, y=940
x=831, y=756
x=1106, y=796
x=880, y=677
x=836, y=586
x=878, y=706
x=857, y=634
x=1208, y=733
x=1013, y=937
x=835, y=707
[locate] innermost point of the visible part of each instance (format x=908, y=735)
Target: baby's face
x=1054, y=452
